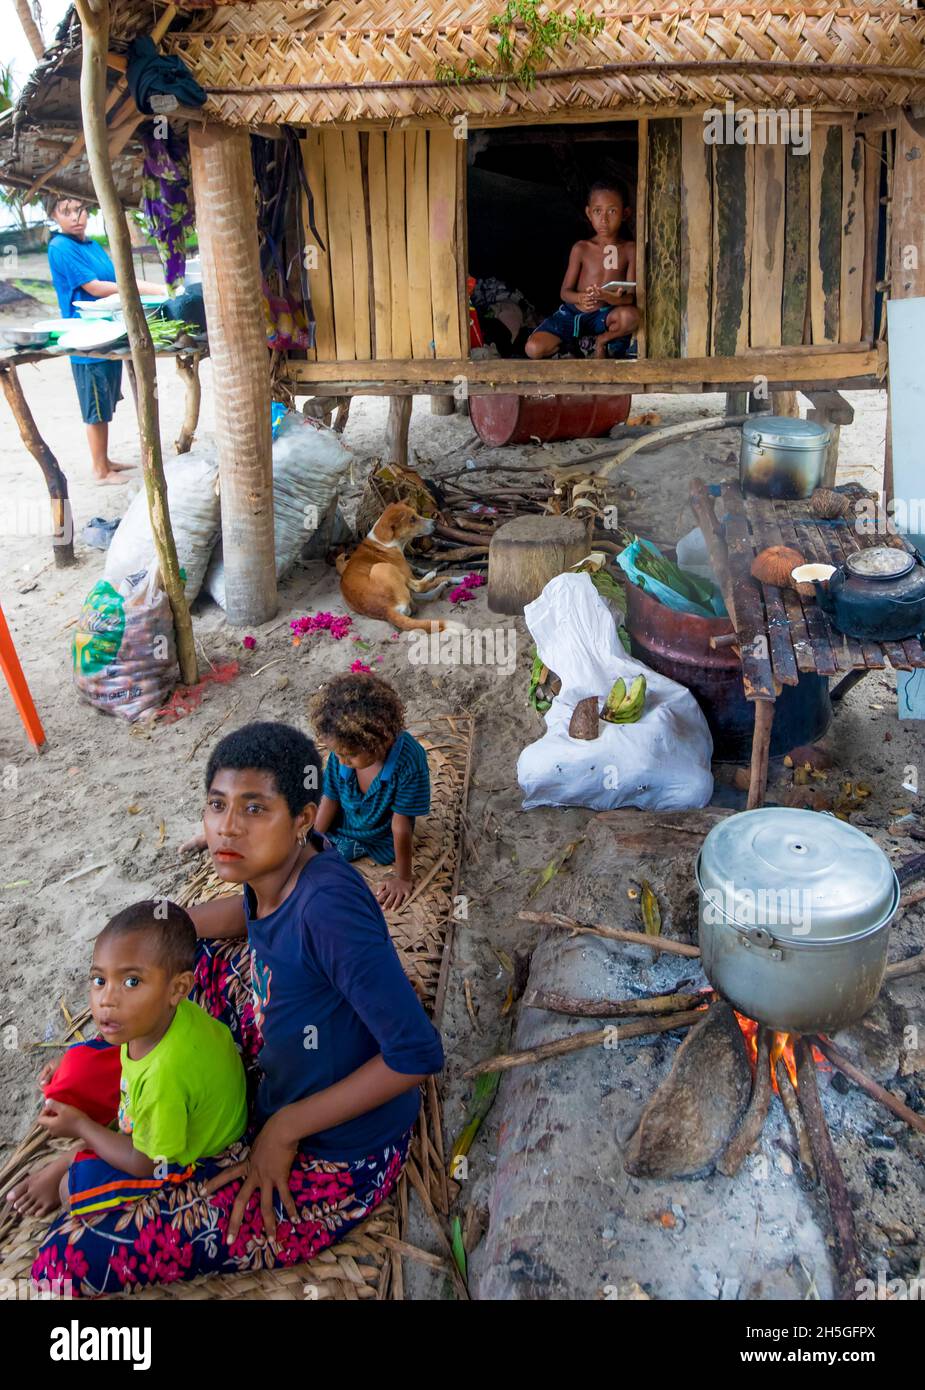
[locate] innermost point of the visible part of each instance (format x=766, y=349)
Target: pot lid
x=780, y=431
x=803, y=876
x=880, y=562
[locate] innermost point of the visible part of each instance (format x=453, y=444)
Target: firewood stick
x=454, y=533
x=848, y=1267
x=636, y=938
x=791, y=1104
x=452, y=557
x=910, y=869
x=578, y=1041
x=899, y=968
x=868, y=1084
x=611, y=1008
x=746, y=1137
x=912, y=898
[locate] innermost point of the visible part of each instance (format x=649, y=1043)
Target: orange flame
x=781, y=1047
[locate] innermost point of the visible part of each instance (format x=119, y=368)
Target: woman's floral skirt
x=179, y=1232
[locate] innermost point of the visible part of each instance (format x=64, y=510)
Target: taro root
x=583, y=723
x=775, y=565
x=829, y=505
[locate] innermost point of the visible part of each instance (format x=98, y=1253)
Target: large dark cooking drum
x=678, y=645
x=511, y=419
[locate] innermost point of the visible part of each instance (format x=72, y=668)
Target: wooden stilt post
x=94, y=20
x=62, y=521
x=761, y=747
x=442, y=405
x=226, y=220
x=396, y=431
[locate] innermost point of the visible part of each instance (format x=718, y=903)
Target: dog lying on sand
x=377, y=581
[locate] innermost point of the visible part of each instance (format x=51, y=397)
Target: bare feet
x=110, y=479
x=38, y=1194
x=121, y=467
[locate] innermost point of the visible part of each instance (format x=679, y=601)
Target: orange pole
x=16, y=680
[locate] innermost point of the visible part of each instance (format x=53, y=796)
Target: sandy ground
x=96, y=821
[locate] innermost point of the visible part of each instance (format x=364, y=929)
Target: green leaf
x=456, y=1242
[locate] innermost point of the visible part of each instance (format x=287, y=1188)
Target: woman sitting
x=339, y=1038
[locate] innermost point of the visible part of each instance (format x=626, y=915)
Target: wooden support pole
x=785, y=403
x=29, y=27
x=62, y=521
x=226, y=220
x=396, y=430
x=442, y=405
x=761, y=748
x=94, y=19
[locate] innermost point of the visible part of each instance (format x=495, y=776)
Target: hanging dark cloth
x=150, y=73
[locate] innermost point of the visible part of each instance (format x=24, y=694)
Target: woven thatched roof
x=313, y=63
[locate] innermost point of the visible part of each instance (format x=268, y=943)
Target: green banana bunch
x=624, y=706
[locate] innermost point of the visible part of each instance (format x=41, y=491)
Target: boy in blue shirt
x=81, y=269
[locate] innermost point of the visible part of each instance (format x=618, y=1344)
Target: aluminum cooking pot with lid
x=795, y=912
x=782, y=457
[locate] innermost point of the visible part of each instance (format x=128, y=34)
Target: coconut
x=829, y=505
x=775, y=565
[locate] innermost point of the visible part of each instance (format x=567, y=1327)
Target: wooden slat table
x=779, y=633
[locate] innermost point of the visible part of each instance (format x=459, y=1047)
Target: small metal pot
x=782, y=457
x=795, y=916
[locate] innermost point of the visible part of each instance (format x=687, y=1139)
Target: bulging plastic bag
x=661, y=763
x=124, y=653
x=309, y=464
x=195, y=517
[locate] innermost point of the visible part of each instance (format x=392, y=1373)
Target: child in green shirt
x=182, y=1090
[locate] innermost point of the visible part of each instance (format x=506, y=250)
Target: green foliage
x=544, y=32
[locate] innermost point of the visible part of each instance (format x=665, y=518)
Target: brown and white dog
x=377, y=580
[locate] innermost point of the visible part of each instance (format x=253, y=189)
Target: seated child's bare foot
x=38, y=1194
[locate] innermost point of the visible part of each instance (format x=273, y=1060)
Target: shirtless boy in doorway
x=587, y=309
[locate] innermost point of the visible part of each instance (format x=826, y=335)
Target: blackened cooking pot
x=795, y=916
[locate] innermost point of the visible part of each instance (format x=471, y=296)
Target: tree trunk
x=62, y=519
x=94, y=19
x=226, y=220
x=31, y=30
x=396, y=430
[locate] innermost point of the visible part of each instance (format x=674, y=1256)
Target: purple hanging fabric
x=165, y=201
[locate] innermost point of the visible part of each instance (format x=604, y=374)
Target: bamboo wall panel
x=796, y=250
x=663, y=252
x=696, y=238
x=319, y=278
x=642, y=223
x=443, y=249
x=767, y=277
x=356, y=206
x=398, y=246
x=379, y=240
x=825, y=203
x=907, y=264
x=419, y=296
x=852, y=237
x=733, y=167
x=873, y=168
x=340, y=247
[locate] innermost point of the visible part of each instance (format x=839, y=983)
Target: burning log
x=790, y=1101
x=598, y=1037
x=901, y=968
x=747, y=1135
x=636, y=938
x=867, y=1083
x=613, y=1008
x=848, y=1267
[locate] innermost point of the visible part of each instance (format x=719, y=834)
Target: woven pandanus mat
x=367, y=1263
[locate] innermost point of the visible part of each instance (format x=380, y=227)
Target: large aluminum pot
x=795, y=916
x=782, y=457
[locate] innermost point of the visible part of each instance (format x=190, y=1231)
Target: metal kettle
x=877, y=595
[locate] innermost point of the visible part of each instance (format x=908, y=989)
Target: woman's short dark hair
x=288, y=755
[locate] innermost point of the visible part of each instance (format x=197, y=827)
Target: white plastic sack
x=661, y=763
x=309, y=464
x=195, y=517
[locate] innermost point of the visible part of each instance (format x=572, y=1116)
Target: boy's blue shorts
x=98, y=389
x=571, y=326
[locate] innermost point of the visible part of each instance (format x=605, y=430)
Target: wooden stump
x=526, y=553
